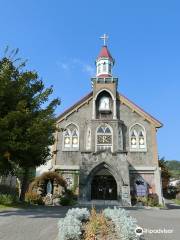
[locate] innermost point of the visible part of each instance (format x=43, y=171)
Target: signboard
x=125, y=192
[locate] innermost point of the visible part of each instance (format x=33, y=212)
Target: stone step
x=101, y=202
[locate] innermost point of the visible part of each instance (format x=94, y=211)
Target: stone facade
x=126, y=151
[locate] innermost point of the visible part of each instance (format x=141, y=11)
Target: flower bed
x=125, y=225
x=70, y=227
x=79, y=223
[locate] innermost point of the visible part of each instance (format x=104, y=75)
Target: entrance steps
x=101, y=203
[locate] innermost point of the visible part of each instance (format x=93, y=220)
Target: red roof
x=105, y=53
x=104, y=75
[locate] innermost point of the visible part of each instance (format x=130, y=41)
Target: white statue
x=49, y=187
x=104, y=104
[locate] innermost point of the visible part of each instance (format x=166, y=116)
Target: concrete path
x=41, y=223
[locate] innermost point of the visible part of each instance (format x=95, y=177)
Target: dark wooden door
x=104, y=188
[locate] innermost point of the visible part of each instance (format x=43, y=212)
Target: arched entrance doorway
x=103, y=186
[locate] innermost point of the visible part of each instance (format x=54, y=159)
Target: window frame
x=71, y=132
x=109, y=146
x=138, y=148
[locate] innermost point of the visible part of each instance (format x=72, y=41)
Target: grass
x=17, y=205
x=2, y=207
x=177, y=201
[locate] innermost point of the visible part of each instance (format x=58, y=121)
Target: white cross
x=104, y=38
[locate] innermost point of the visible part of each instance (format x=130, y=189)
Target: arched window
x=141, y=140
x=104, y=104
x=75, y=139
x=137, y=137
x=104, y=138
x=67, y=139
x=134, y=139
x=71, y=138
x=120, y=138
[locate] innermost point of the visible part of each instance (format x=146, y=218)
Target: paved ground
x=41, y=223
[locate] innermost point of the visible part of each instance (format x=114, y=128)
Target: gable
x=123, y=100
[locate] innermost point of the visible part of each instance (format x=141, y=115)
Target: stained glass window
x=137, y=138
x=104, y=138
x=71, y=138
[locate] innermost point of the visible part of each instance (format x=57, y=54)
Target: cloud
x=63, y=65
x=88, y=69
x=75, y=63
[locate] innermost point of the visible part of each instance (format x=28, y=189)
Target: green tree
x=165, y=174
x=27, y=120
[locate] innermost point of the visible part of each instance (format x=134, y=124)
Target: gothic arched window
x=67, y=139
x=120, y=139
x=137, y=138
x=71, y=138
x=104, y=137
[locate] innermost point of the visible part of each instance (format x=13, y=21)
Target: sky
x=60, y=40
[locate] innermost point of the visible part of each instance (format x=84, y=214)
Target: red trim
x=104, y=76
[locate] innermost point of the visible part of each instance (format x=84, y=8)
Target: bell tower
x=104, y=85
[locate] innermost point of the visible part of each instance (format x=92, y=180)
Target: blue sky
x=60, y=39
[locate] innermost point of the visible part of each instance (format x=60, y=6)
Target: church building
x=106, y=148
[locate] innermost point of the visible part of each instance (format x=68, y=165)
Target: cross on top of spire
x=104, y=38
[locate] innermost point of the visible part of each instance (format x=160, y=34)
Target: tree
x=27, y=120
x=165, y=174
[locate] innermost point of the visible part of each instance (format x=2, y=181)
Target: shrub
x=33, y=198
x=178, y=196
x=153, y=200
x=171, y=192
x=66, y=201
x=8, y=199
x=97, y=225
x=143, y=200
x=5, y=189
x=79, y=213
x=70, y=226
x=124, y=224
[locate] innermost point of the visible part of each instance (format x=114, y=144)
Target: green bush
x=8, y=199
x=5, y=189
x=143, y=200
x=33, y=198
x=66, y=201
x=153, y=200
x=178, y=196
